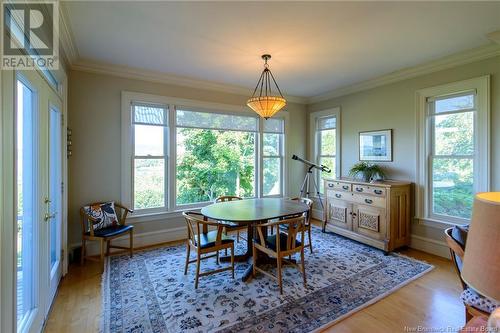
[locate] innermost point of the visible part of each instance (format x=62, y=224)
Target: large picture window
x=179, y=154
x=216, y=155
x=149, y=156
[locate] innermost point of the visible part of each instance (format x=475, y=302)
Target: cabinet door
x=339, y=213
x=370, y=221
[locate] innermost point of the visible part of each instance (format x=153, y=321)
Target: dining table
x=251, y=212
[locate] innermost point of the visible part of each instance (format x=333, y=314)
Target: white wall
x=94, y=168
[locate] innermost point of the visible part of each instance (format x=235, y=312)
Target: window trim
x=314, y=147
x=481, y=85
x=281, y=156
x=127, y=142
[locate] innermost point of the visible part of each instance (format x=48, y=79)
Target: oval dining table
x=250, y=212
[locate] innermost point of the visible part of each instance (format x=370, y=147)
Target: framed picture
x=375, y=145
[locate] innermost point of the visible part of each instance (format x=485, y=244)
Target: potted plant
x=369, y=172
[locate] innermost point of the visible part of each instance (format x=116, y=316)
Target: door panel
x=26, y=153
x=370, y=221
x=339, y=213
x=38, y=199
x=55, y=198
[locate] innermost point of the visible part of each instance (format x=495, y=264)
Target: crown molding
x=159, y=77
x=454, y=60
x=66, y=36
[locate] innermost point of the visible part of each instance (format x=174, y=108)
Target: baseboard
x=317, y=214
x=430, y=245
x=140, y=239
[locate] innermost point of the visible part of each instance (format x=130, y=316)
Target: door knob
x=48, y=216
x=46, y=200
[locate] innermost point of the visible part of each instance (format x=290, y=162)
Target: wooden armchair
x=457, y=255
x=281, y=245
x=230, y=226
x=204, y=242
x=105, y=234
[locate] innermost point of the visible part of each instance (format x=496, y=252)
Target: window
x=149, y=156
x=451, y=157
x=325, y=144
x=455, y=155
x=272, y=156
x=179, y=154
x=216, y=155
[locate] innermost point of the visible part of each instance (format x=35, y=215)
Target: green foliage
x=453, y=177
x=214, y=163
x=367, y=170
x=148, y=184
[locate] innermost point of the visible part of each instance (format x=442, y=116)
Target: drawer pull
x=369, y=201
x=345, y=187
x=359, y=189
x=330, y=185
x=377, y=191
x=338, y=195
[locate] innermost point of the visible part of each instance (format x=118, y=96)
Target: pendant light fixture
x=266, y=104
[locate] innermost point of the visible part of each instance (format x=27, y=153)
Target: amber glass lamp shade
x=266, y=106
x=266, y=103
x=481, y=269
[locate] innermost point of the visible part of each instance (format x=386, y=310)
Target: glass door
x=27, y=203
x=38, y=198
x=54, y=214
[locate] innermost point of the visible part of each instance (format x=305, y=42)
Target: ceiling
x=316, y=47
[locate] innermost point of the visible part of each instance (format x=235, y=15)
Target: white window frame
x=165, y=156
x=282, y=116
x=315, y=147
x=481, y=164
x=172, y=209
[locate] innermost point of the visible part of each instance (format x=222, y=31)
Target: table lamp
x=481, y=268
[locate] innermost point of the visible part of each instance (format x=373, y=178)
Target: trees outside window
x=211, y=163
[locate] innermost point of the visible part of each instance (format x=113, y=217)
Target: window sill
x=141, y=218
x=158, y=216
x=437, y=224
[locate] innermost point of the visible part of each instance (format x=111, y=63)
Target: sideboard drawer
x=378, y=191
x=340, y=195
x=338, y=186
x=369, y=200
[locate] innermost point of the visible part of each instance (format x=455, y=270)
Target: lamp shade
x=266, y=106
x=481, y=268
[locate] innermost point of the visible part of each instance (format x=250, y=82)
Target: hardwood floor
x=431, y=301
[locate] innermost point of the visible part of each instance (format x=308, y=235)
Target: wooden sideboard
x=377, y=214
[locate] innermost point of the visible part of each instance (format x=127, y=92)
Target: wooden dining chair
x=205, y=242
x=281, y=245
x=308, y=227
x=103, y=222
x=231, y=226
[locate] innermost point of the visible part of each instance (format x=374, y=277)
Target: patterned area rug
x=150, y=293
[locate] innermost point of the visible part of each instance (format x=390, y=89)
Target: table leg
x=245, y=256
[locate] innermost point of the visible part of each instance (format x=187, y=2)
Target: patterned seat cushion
x=472, y=298
x=104, y=213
